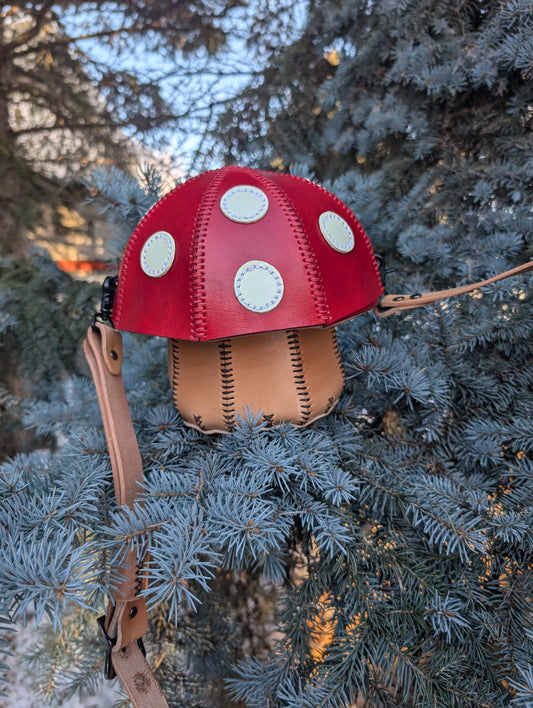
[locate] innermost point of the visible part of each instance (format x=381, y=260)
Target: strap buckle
x=109, y=643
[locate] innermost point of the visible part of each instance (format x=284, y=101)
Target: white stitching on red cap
x=154, y=263
x=342, y=244
x=248, y=288
x=244, y=216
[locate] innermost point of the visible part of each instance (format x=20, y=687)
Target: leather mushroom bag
x=246, y=273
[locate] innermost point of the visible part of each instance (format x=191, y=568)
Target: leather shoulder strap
x=389, y=304
x=126, y=620
x=103, y=349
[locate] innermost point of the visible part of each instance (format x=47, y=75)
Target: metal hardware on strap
x=110, y=642
x=109, y=287
x=382, y=310
x=109, y=671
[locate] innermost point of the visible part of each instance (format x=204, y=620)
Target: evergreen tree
x=395, y=536
x=35, y=296
x=86, y=83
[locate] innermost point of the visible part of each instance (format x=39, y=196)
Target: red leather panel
x=195, y=300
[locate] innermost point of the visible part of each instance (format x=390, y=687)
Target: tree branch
x=39, y=18
x=66, y=40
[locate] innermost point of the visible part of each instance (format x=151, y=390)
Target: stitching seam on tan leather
x=337, y=353
x=138, y=578
x=302, y=392
x=174, y=360
x=227, y=382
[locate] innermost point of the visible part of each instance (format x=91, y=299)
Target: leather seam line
x=308, y=257
x=227, y=382
x=135, y=235
x=175, y=371
x=337, y=354
x=197, y=260
x=347, y=213
x=302, y=392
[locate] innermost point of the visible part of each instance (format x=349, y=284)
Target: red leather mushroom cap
x=238, y=251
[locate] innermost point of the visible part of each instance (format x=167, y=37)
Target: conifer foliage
x=389, y=545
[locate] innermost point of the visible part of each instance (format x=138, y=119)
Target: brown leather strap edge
x=103, y=350
x=100, y=347
x=390, y=304
x=126, y=621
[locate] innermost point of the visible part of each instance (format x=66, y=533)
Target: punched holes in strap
x=111, y=349
x=382, y=310
x=388, y=304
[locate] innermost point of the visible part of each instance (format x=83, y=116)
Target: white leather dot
x=244, y=204
x=336, y=232
x=157, y=255
x=258, y=286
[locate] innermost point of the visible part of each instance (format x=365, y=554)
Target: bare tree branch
x=39, y=18
x=65, y=40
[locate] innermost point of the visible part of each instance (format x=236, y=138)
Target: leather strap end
x=389, y=304
x=129, y=621
x=126, y=622
x=109, y=341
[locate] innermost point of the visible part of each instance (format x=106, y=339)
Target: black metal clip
x=109, y=287
x=109, y=642
x=109, y=671
x=383, y=270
